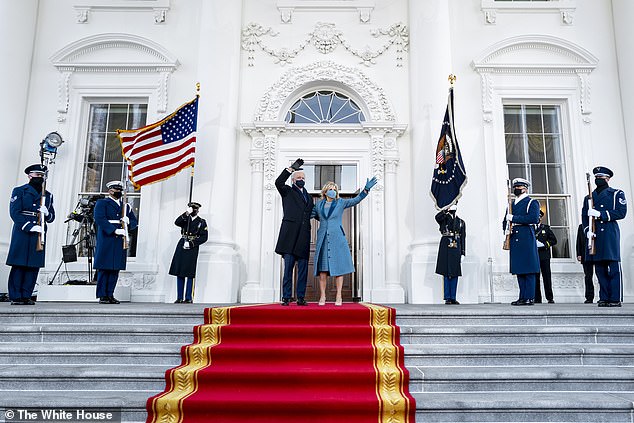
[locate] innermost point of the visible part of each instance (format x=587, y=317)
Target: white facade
x=255, y=58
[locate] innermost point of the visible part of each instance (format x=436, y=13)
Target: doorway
x=345, y=176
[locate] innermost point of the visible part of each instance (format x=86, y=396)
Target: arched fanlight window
x=324, y=107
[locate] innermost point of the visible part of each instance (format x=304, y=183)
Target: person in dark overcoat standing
x=25, y=207
x=110, y=256
x=545, y=239
x=450, y=251
x=293, y=242
x=588, y=267
x=609, y=205
x=524, y=260
x=194, y=233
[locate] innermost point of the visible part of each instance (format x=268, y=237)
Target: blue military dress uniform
x=110, y=257
x=612, y=205
x=24, y=259
x=524, y=259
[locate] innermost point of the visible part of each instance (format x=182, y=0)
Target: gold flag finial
x=452, y=78
x=197, y=88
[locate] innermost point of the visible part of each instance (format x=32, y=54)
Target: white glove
x=509, y=217
x=120, y=232
x=539, y=243
x=186, y=245
x=43, y=210
x=126, y=220
x=594, y=213
x=461, y=259
x=37, y=228
x=590, y=235
x=190, y=210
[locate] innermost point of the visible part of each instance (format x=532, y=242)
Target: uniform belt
x=448, y=234
x=115, y=221
x=28, y=213
x=189, y=237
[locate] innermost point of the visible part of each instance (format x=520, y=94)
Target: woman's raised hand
x=369, y=183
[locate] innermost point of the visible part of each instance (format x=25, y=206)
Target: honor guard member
x=110, y=256
x=193, y=234
x=524, y=260
x=546, y=239
x=293, y=242
x=450, y=251
x=25, y=208
x=609, y=205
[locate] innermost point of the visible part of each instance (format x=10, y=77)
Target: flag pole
x=191, y=175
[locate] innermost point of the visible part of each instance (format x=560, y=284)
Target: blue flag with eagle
x=450, y=176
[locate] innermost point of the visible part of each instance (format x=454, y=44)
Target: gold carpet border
x=394, y=404
x=168, y=407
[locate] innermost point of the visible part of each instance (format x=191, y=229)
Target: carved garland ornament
x=325, y=37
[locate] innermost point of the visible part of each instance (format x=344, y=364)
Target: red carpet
x=269, y=363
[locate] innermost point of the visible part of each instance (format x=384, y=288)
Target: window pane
x=562, y=248
x=551, y=119
x=137, y=116
x=111, y=172
x=118, y=117
x=518, y=171
x=98, y=118
x=515, y=149
x=92, y=177
x=557, y=212
x=536, y=148
x=512, y=119
x=533, y=120
x=324, y=107
x=113, y=149
x=555, y=179
x=94, y=150
x=553, y=149
x=538, y=179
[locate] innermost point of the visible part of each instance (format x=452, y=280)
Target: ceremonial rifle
x=509, y=225
x=591, y=246
x=39, y=246
x=124, y=212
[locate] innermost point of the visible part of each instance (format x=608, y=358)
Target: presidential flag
x=449, y=176
x=162, y=149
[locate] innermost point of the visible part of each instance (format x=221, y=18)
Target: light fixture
x=48, y=147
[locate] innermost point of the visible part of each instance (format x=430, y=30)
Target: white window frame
x=565, y=8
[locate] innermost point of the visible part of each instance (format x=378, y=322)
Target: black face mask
x=194, y=212
x=600, y=182
x=117, y=194
x=37, y=182
x=517, y=192
x=300, y=183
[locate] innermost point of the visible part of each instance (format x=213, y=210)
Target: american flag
x=162, y=149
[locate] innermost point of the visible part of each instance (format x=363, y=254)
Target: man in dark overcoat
x=524, y=260
x=609, y=206
x=588, y=267
x=546, y=239
x=25, y=208
x=293, y=242
x=450, y=251
x=110, y=256
x=194, y=233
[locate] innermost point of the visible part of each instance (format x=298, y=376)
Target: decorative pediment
x=113, y=53
x=290, y=86
x=530, y=53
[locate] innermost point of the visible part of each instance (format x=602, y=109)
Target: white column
x=623, y=15
x=17, y=32
x=429, y=66
x=219, y=75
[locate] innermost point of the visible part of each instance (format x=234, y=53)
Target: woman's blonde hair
x=329, y=185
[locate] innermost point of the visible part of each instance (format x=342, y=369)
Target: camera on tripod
x=85, y=208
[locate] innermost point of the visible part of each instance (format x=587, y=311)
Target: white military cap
x=114, y=185
x=521, y=182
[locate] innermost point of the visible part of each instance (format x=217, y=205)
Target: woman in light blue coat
x=332, y=255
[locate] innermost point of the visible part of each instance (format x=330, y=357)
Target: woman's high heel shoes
x=338, y=301
x=322, y=301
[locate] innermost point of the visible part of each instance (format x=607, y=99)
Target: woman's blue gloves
x=370, y=183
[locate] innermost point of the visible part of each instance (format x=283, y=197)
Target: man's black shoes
x=178, y=301
x=187, y=302
x=113, y=300
x=551, y=301
x=104, y=300
x=523, y=303
x=614, y=304
x=285, y=301
x=301, y=302
x=587, y=302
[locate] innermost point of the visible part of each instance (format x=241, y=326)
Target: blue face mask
x=300, y=183
x=331, y=193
